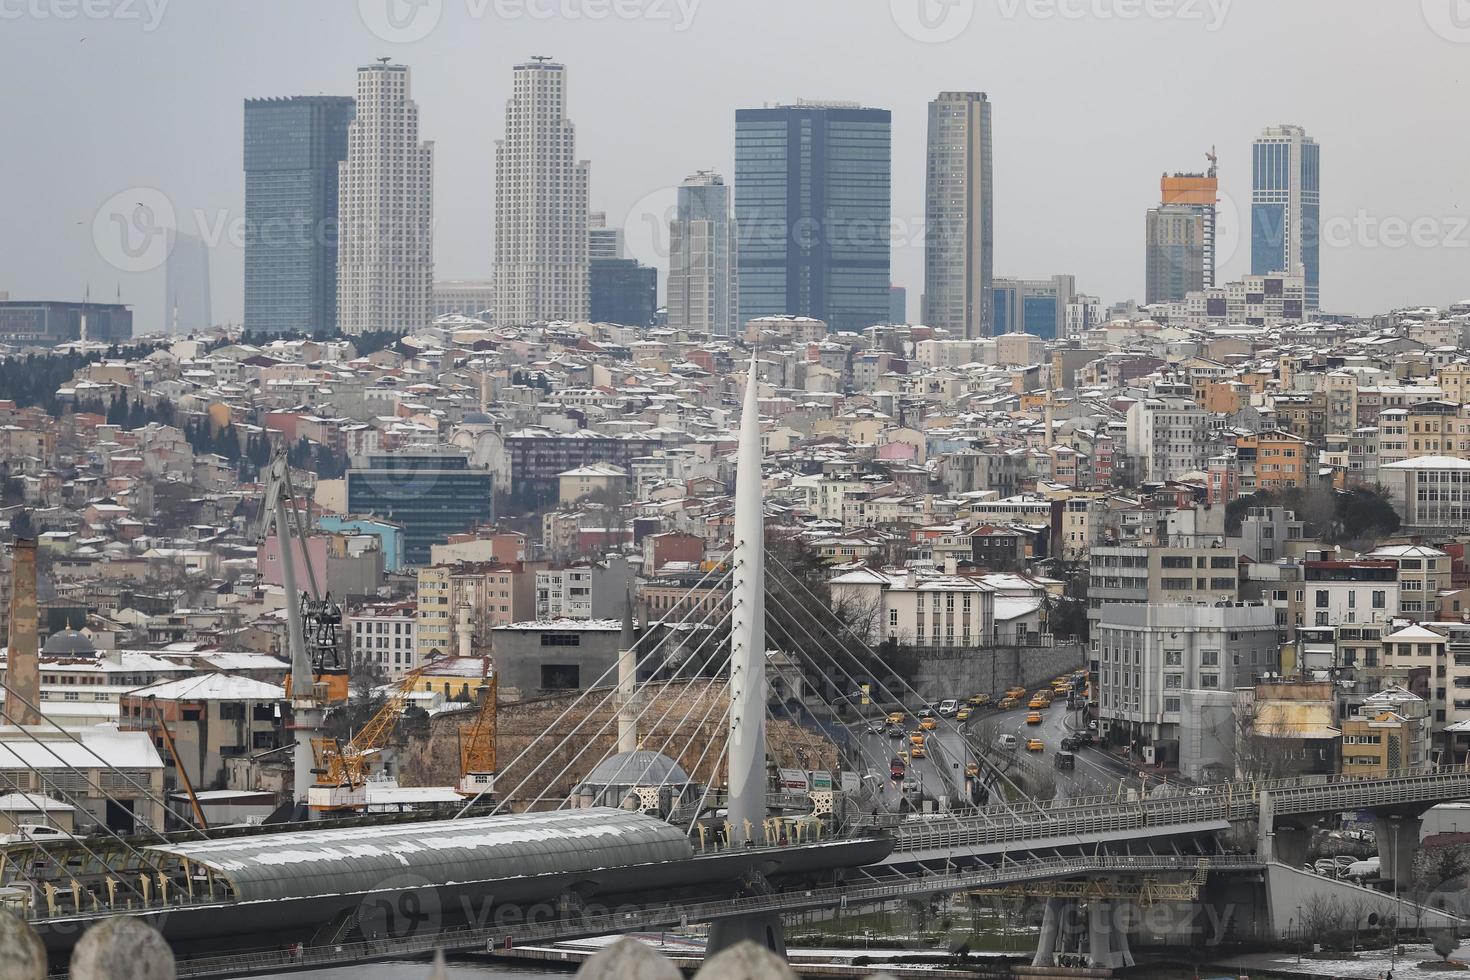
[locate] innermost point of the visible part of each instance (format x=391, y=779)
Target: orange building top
x=1188, y=189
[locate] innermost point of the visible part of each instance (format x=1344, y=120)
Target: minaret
x=23, y=676
x=747, y=804
x=464, y=630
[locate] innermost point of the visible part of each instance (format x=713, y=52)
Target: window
x=1209, y=680
x=1171, y=704
x=561, y=640
x=561, y=677
x=1173, y=681
x=893, y=617
x=1173, y=658
x=1321, y=598
x=1380, y=599
x=1209, y=658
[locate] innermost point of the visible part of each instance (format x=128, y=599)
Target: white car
x=949, y=707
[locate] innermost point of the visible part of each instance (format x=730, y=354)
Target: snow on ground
x=1369, y=965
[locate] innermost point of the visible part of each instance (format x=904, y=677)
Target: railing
x=874, y=891
x=1228, y=801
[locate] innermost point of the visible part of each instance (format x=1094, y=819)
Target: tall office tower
x=186, y=285
x=1286, y=207
x=385, y=258
x=703, y=286
x=959, y=236
x=1180, y=236
x=812, y=205
x=293, y=150
x=540, y=203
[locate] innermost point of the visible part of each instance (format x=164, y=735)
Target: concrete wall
x=951, y=673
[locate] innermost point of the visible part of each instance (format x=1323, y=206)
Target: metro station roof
x=350, y=860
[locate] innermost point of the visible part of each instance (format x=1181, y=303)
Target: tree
x=1445, y=943
x=1366, y=511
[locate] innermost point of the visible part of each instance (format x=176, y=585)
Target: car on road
x=897, y=718
x=896, y=731
x=972, y=769
x=876, y=728
x=962, y=715
x=916, y=746
x=979, y=700
x=948, y=707
x=1064, y=760
x=1071, y=743
x=928, y=724
x=1008, y=702
x=1037, y=704
x=896, y=769
x=1035, y=745
x=1034, y=718
x=1005, y=741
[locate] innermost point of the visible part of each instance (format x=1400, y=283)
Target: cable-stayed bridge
x=679, y=828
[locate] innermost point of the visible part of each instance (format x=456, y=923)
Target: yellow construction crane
x=477, y=740
x=342, y=768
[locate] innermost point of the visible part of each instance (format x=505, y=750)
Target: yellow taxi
x=1034, y=718
x=928, y=724
x=1035, y=745
x=979, y=700
x=1007, y=703
x=962, y=715
x=972, y=769
x=916, y=745
x=896, y=718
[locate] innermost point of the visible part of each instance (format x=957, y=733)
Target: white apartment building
x=915, y=609
x=703, y=282
x=1150, y=657
x=385, y=253
x=1169, y=433
x=541, y=263
x=385, y=636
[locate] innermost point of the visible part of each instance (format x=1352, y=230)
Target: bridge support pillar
x=765, y=930
x=1398, y=841
x=1107, y=937
x=1051, y=927
x=1291, y=845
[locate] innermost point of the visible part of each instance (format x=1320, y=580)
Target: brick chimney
x=23, y=668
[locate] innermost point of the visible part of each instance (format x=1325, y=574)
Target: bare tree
x=1263, y=745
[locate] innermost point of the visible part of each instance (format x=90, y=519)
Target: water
x=419, y=970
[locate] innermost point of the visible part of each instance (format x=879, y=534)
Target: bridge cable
x=62, y=865
x=1025, y=797
x=611, y=693
x=613, y=717
x=713, y=635
x=577, y=729
x=72, y=801
x=591, y=688
x=108, y=766
x=888, y=692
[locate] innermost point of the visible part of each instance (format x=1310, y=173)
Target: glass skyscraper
x=812, y=207
x=431, y=495
x=1286, y=207
x=292, y=151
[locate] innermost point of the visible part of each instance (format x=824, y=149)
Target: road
x=952, y=745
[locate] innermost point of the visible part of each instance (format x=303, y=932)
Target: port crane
x=318, y=677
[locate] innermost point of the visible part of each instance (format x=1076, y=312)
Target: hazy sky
x=112, y=100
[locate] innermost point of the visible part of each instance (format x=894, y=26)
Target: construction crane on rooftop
x=342, y=767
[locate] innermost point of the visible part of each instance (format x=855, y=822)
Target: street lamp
x=1301, y=937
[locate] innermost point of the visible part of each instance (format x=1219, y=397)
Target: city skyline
x=1049, y=141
